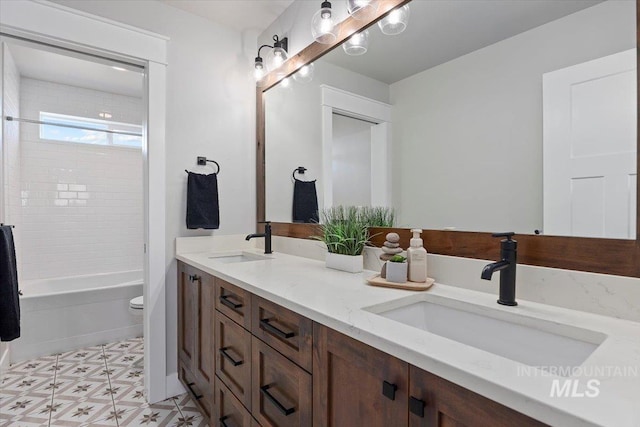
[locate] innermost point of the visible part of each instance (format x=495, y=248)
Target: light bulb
x=395, y=22
x=275, y=58
x=362, y=10
x=304, y=74
x=285, y=82
x=258, y=69
x=323, y=26
x=357, y=44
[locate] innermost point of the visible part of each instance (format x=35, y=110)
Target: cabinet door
x=203, y=367
x=435, y=401
x=355, y=384
x=229, y=410
x=186, y=315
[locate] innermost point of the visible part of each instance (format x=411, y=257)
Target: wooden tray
x=411, y=286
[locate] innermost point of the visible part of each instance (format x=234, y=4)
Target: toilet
x=136, y=305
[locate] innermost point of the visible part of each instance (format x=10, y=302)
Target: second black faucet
x=266, y=235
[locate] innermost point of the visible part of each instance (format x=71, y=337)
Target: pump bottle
x=417, y=257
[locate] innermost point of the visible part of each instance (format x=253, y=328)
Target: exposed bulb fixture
x=274, y=59
x=323, y=25
x=362, y=10
x=395, y=22
x=304, y=73
x=285, y=82
x=357, y=44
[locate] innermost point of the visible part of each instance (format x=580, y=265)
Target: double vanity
x=277, y=339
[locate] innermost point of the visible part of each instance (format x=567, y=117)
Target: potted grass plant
x=345, y=234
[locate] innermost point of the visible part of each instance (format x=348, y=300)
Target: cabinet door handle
x=197, y=397
x=285, y=411
x=265, y=324
x=223, y=421
x=416, y=406
x=224, y=299
x=389, y=390
x=223, y=351
x=194, y=277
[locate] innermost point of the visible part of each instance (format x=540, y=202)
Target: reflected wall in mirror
x=481, y=116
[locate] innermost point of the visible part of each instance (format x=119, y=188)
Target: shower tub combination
x=67, y=313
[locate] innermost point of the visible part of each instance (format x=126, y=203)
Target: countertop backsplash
x=615, y=296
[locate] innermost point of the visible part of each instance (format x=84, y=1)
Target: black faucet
x=507, y=268
x=266, y=235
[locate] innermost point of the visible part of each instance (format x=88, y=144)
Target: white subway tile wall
x=12, y=195
x=82, y=204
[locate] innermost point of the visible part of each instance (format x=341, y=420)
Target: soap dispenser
x=417, y=257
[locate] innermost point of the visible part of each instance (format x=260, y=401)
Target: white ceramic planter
x=397, y=272
x=348, y=263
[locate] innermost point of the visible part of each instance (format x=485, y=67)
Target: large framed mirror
x=480, y=117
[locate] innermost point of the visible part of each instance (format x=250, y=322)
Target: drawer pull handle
x=416, y=406
x=389, y=390
x=224, y=299
x=285, y=411
x=223, y=351
x=197, y=397
x=223, y=421
x=265, y=324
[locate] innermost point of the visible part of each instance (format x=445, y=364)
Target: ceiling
x=441, y=30
x=69, y=70
x=240, y=15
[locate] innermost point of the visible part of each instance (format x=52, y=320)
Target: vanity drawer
x=281, y=391
x=234, y=302
x=288, y=332
x=233, y=357
x=229, y=410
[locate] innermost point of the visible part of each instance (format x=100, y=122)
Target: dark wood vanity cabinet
x=195, y=334
x=248, y=362
x=355, y=384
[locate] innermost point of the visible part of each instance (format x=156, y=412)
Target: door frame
x=67, y=28
x=358, y=107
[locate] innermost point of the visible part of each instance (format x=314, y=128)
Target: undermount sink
x=527, y=340
x=236, y=257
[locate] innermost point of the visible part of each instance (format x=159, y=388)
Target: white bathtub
x=67, y=313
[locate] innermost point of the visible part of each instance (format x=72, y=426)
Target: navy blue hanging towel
x=202, y=201
x=305, y=201
x=9, y=299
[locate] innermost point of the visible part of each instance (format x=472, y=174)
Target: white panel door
x=589, y=148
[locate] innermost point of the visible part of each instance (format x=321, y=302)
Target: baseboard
x=174, y=386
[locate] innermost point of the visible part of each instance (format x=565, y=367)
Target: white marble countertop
x=336, y=300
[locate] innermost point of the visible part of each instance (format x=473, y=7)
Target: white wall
x=351, y=161
x=293, y=131
x=459, y=122
x=82, y=204
x=210, y=112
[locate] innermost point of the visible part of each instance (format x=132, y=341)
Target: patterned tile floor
x=96, y=386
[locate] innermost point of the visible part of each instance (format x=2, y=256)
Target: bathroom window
x=91, y=132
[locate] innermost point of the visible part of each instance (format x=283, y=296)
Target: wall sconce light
x=274, y=59
x=323, y=25
x=395, y=22
x=362, y=9
x=357, y=44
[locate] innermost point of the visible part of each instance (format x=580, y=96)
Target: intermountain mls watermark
x=577, y=381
